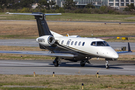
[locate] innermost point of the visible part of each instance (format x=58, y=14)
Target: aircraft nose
x=115, y=55
x=111, y=53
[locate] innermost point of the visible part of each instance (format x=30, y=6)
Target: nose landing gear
x=107, y=65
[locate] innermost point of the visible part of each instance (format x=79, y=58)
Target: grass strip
x=68, y=82
x=75, y=17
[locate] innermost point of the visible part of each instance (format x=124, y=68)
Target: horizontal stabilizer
x=35, y=14
x=43, y=28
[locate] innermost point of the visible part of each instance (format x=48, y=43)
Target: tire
x=56, y=63
x=107, y=66
x=82, y=63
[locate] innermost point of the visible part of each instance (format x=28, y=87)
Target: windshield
x=106, y=44
x=99, y=43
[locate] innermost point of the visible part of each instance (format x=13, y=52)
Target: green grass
x=74, y=17
x=17, y=36
x=24, y=57
x=68, y=82
x=95, y=17
x=28, y=89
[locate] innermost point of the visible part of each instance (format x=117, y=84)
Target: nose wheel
x=107, y=65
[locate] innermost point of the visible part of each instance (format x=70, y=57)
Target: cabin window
x=72, y=42
x=62, y=42
x=75, y=42
x=68, y=42
x=79, y=43
x=83, y=43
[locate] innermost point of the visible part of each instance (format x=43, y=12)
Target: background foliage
x=51, y=7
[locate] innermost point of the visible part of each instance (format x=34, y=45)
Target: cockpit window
x=106, y=44
x=93, y=43
x=99, y=43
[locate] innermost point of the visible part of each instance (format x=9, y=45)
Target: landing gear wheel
x=107, y=66
x=56, y=62
x=82, y=63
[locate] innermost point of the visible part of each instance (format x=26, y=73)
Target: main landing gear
x=83, y=62
x=106, y=65
x=57, y=62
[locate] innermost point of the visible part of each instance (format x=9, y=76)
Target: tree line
x=51, y=7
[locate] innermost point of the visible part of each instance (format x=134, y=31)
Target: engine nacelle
x=46, y=40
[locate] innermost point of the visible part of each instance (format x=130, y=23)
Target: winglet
x=129, y=49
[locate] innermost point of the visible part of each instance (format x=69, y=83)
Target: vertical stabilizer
x=43, y=28
x=129, y=49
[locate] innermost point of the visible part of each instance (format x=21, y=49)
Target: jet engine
x=46, y=40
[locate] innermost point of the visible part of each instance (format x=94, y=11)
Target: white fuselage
x=84, y=45
x=90, y=46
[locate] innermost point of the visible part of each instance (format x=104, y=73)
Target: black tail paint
x=43, y=28
x=129, y=49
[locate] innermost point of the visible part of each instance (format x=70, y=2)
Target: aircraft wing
x=129, y=50
x=122, y=52
x=46, y=53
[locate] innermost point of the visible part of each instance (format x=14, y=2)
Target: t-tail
x=43, y=28
x=46, y=38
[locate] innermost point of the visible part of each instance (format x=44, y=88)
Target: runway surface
x=33, y=43
x=66, y=68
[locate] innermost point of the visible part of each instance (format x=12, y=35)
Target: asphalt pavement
x=66, y=68
x=44, y=67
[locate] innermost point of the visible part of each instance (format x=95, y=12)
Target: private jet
x=73, y=48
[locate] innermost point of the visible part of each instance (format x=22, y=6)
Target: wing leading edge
x=46, y=53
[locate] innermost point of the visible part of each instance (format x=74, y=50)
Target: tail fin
x=129, y=49
x=43, y=28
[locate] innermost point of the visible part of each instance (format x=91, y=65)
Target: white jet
x=72, y=48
